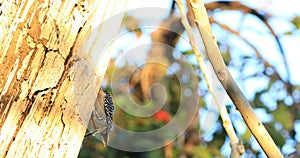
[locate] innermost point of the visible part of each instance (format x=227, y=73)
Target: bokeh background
x=267, y=75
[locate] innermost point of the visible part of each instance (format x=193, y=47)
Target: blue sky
x=282, y=11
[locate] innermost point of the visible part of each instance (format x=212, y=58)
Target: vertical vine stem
x=254, y=124
x=237, y=149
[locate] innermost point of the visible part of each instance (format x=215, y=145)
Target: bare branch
x=223, y=112
x=258, y=54
x=232, y=5
x=254, y=124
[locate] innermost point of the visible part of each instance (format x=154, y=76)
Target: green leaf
x=284, y=116
x=247, y=135
x=226, y=56
x=188, y=52
x=200, y=152
x=257, y=102
x=276, y=135
x=154, y=153
x=296, y=22
x=288, y=33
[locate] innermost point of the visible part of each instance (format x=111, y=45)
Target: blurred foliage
x=278, y=97
x=296, y=22
x=283, y=116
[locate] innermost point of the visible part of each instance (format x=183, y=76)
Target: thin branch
x=223, y=112
x=266, y=63
x=254, y=124
x=232, y=5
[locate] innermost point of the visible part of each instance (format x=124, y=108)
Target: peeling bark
x=49, y=77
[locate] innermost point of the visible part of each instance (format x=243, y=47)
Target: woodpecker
x=101, y=121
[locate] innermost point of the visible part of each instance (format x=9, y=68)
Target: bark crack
x=24, y=115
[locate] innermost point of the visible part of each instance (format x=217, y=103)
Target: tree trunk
x=51, y=71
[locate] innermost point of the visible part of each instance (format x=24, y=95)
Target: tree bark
x=51, y=71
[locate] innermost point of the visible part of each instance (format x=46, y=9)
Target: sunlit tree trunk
x=50, y=72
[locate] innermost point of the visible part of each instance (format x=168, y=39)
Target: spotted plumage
x=108, y=109
x=101, y=121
